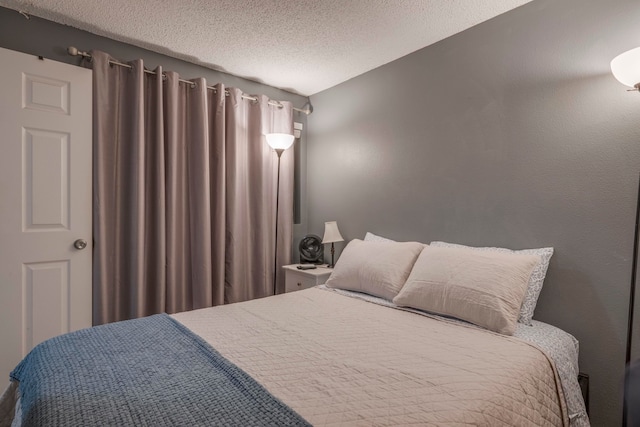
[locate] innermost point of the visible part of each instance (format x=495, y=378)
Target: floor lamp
x=279, y=142
x=626, y=68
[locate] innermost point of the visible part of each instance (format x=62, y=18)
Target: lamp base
x=333, y=251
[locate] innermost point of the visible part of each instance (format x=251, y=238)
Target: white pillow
x=370, y=237
x=484, y=288
x=375, y=268
x=535, y=282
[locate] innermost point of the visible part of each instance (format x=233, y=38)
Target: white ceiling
x=303, y=46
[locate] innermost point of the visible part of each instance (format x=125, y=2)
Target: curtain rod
x=73, y=51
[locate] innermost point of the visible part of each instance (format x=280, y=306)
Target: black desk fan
x=311, y=249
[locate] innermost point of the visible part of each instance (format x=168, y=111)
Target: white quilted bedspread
x=342, y=361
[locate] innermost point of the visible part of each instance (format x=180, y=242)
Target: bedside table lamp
x=279, y=142
x=331, y=235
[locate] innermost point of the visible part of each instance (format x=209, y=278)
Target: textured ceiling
x=303, y=46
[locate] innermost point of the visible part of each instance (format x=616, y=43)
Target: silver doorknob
x=80, y=244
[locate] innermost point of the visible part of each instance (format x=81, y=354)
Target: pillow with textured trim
x=375, y=268
x=370, y=237
x=535, y=282
x=484, y=288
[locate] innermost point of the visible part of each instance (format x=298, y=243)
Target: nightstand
x=296, y=280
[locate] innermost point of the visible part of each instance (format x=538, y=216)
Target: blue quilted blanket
x=144, y=372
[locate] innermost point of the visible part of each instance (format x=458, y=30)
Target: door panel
x=45, y=287
x=45, y=202
x=45, y=180
x=45, y=94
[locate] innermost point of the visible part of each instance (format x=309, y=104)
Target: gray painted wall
x=513, y=133
x=38, y=36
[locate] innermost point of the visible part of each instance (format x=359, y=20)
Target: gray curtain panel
x=184, y=194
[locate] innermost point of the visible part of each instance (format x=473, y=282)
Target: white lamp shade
x=331, y=233
x=279, y=141
x=626, y=67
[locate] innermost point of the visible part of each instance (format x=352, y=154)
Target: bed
x=324, y=356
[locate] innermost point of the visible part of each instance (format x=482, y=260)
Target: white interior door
x=45, y=202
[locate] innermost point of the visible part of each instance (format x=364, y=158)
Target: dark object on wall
x=632, y=394
x=632, y=291
x=631, y=402
x=311, y=249
x=583, y=381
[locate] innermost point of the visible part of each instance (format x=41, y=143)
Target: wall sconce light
x=332, y=235
x=626, y=68
x=279, y=142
